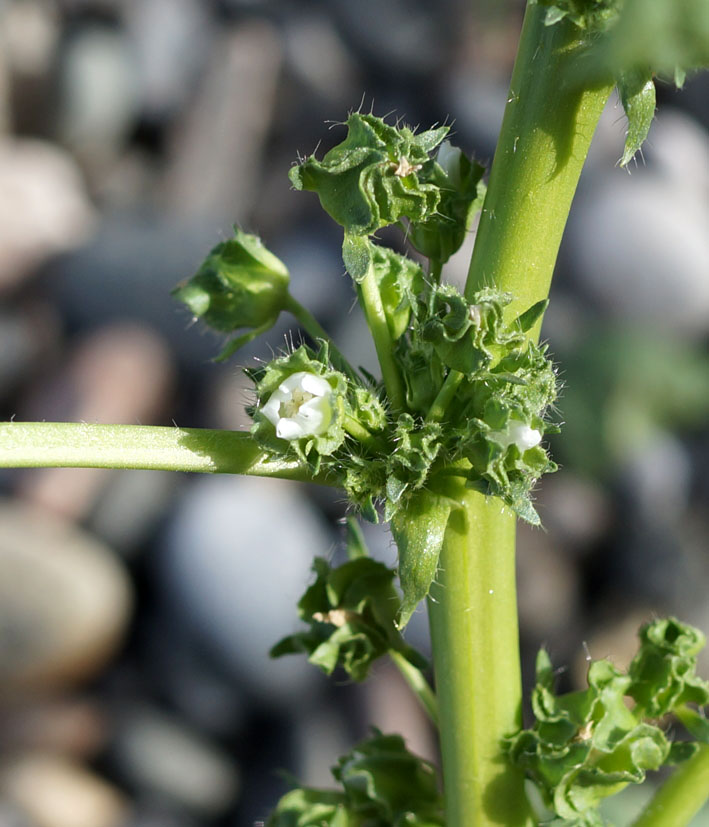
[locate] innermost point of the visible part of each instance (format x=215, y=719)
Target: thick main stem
x=546, y=132
x=473, y=615
x=549, y=121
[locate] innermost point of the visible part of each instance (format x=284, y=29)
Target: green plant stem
x=547, y=128
x=361, y=434
x=546, y=132
x=445, y=395
x=681, y=797
x=473, y=616
x=316, y=331
x=81, y=445
x=376, y=319
x=417, y=683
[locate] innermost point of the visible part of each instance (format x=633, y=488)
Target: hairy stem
x=445, y=396
x=473, y=615
x=80, y=445
x=376, y=319
x=681, y=797
x=549, y=121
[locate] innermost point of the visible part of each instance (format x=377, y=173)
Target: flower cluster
x=473, y=389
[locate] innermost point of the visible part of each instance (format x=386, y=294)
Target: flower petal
x=290, y=429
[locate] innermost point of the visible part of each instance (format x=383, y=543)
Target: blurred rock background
x=137, y=608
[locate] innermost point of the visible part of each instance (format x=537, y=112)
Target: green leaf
x=350, y=611
x=384, y=781
x=400, y=282
x=662, y=35
x=371, y=179
x=418, y=531
x=312, y=808
x=589, y=744
x=356, y=255
x=590, y=16
x=531, y=316
x=664, y=669
x=637, y=94
x=382, y=785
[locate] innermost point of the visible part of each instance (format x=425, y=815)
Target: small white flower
x=300, y=406
x=519, y=434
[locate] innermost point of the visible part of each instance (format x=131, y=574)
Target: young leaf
x=637, y=94
x=418, y=532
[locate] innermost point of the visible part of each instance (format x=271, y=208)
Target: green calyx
x=382, y=175
x=590, y=744
x=305, y=407
x=381, y=783
x=239, y=285
x=376, y=176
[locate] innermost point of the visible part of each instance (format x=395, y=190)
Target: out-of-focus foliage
x=588, y=745
x=383, y=785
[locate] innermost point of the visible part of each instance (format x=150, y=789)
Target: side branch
x=81, y=445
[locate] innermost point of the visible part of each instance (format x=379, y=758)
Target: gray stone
x=639, y=244
x=44, y=208
x=99, y=91
x=64, y=601
x=236, y=560
x=160, y=756
x=170, y=41
x=55, y=792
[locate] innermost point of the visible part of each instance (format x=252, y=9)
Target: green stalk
x=361, y=434
x=546, y=132
x=80, y=445
x=445, y=396
x=681, y=797
x=549, y=121
x=384, y=344
x=473, y=615
x=417, y=683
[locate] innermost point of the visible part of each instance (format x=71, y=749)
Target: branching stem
x=376, y=318
x=418, y=684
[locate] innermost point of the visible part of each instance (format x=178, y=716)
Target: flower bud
x=239, y=285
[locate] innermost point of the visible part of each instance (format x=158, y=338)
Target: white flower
x=519, y=434
x=300, y=406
